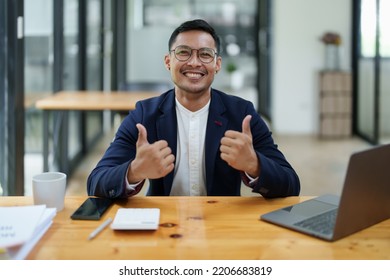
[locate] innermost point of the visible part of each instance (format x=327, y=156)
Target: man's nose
x=194, y=59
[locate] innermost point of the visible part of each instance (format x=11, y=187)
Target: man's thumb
x=246, y=127
x=142, y=135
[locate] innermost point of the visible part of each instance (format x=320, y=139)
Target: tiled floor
x=321, y=164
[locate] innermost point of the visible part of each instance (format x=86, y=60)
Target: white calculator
x=136, y=219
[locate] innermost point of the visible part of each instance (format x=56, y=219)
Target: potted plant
x=236, y=77
x=231, y=67
x=332, y=41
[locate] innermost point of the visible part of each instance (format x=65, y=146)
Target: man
x=193, y=139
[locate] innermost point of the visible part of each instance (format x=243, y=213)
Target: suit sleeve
x=277, y=177
x=107, y=179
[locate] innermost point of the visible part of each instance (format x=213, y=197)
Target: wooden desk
x=203, y=228
x=93, y=100
x=85, y=101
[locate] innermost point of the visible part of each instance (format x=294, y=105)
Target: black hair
x=196, y=24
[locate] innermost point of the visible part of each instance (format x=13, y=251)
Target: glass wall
x=94, y=44
x=3, y=104
x=73, y=64
x=71, y=74
x=366, y=93
x=94, y=67
x=384, y=81
x=11, y=97
x=47, y=46
x=71, y=45
x=264, y=58
x=38, y=72
x=82, y=72
x=373, y=95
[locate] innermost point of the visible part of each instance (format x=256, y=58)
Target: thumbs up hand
x=142, y=136
x=152, y=160
x=237, y=149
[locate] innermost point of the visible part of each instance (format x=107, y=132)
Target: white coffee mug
x=49, y=189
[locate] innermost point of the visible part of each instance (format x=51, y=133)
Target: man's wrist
x=252, y=180
x=131, y=176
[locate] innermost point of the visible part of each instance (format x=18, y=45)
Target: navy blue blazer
x=226, y=112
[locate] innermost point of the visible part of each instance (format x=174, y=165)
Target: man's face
x=193, y=75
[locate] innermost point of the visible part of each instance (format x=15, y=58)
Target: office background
x=49, y=45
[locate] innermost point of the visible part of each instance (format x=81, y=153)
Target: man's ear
x=167, y=62
x=218, y=64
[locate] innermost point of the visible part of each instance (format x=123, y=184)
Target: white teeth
x=193, y=75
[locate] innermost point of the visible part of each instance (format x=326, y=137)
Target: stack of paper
x=21, y=227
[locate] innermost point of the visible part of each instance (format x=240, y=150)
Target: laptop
x=364, y=201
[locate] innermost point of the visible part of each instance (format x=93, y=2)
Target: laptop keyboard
x=323, y=223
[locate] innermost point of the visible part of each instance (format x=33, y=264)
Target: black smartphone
x=92, y=208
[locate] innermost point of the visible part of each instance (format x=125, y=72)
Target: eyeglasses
x=183, y=53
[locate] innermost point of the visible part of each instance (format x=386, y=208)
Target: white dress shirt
x=189, y=177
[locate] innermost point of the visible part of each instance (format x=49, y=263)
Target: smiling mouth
x=193, y=75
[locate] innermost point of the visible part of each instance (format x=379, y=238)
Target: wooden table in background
x=86, y=101
x=93, y=100
x=203, y=228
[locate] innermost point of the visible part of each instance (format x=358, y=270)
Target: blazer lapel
x=166, y=125
x=216, y=127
